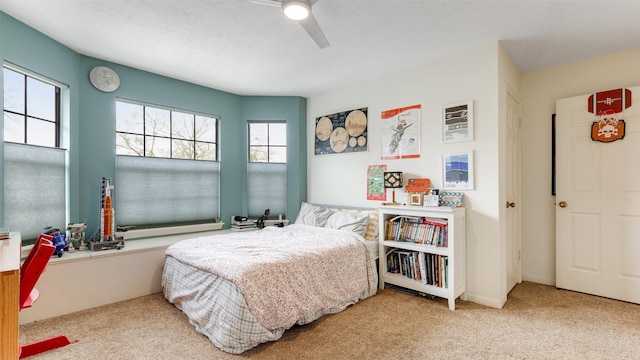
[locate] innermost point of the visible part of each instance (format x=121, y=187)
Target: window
x=167, y=169
x=34, y=176
x=268, y=142
x=143, y=130
x=31, y=110
x=267, y=168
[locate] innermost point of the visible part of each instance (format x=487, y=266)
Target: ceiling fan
x=300, y=10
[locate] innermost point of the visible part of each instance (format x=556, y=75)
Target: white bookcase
x=454, y=252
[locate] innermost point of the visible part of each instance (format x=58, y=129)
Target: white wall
x=85, y=279
x=539, y=92
x=340, y=179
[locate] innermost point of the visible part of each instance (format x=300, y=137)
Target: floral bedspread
x=287, y=275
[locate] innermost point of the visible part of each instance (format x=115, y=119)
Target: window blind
x=34, y=189
x=152, y=191
x=267, y=189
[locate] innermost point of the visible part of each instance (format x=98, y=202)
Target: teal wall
x=91, y=118
x=293, y=110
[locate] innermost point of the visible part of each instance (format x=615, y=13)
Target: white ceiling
x=250, y=49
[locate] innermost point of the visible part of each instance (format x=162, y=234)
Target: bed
x=241, y=289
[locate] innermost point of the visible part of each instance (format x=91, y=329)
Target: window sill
x=148, y=243
x=154, y=232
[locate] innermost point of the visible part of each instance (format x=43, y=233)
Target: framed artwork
x=343, y=132
x=416, y=199
x=457, y=122
x=457, y=171
x=375, y=183
x=401, y=133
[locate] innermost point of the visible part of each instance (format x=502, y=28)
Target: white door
x=597, y=204
x=514, y=265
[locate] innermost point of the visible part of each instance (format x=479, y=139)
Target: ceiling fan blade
x=277, y=3
x=310, y=24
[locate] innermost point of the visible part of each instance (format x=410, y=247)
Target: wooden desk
x=10, y=296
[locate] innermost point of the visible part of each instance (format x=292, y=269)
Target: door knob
x=562, y=204
x=511, y=204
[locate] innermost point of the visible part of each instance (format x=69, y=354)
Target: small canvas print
x=375, y=182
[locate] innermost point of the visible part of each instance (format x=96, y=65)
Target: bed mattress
x=240, y=303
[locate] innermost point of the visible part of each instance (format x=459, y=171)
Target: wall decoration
x=608, y=107
x=457, y=171
x=343, y=132
x=457, y=122
x=401, y=133
x=375, y=182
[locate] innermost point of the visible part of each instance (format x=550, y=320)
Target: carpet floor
x=537, y=322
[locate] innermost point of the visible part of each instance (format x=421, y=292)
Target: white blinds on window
x=165, y=191
x=267, y=189
x=34, y=189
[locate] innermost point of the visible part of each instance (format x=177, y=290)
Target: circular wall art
x=104, y=79
x=356, y=122
x=339, y=140
x=324, y=128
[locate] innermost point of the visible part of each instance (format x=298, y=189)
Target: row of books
x=4, y=233
x=243, y=225
x=430, y=269
x=418, y=229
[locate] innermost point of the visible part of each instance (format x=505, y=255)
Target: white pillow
x=372, y=229
x=351, y=221
x=313, y=215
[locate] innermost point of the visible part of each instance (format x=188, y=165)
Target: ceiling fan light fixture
x=296, y=10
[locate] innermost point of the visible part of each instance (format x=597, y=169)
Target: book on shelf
x=419, y=230
x=241, y=223
x=429, y=269
x=245, y=228
x=423, y=267
x=4, y=233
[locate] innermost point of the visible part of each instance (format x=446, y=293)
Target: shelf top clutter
x=421, y=209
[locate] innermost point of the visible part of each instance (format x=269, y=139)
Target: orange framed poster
x=401, y=133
